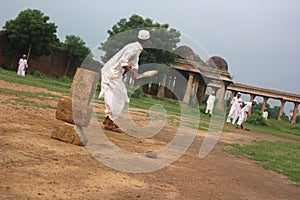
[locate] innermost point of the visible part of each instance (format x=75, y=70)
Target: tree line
x=32, y=32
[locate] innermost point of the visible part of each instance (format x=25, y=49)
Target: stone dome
x=185, y=52
x=217, y=61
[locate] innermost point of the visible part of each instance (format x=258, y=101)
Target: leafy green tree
x=76, y=50
x=31, y=32
x=273, y=112
x=161, y=36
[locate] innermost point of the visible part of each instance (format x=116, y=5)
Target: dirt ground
x=35, y=166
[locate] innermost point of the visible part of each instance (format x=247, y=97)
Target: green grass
x=29, y=94
x=25, y=103
x=281, y=157
x=51, y=83
x=278, y=128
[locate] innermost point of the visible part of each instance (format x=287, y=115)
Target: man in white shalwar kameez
x=113, y=90
x=235, y=108
x=245, y=112
x=210, y=103
x=22, y=66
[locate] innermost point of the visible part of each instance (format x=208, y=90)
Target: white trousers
x=209, y=108
x=233, y=114
x=21, y=71
x=115, y=97
x=243, y=118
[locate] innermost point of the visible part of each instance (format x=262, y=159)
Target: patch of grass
x=51, y=83
x=28, y=94
x=281, y=157
x=278, y=128
x=26, y=103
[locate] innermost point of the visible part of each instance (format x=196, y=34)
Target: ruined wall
x=54, y=64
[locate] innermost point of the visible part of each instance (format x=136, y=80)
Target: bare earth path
x=34, y=166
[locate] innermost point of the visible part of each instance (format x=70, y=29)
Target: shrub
x=257, y=118
x=137, y=93
x=202, y=108
x=6, y=66
x=298, y=119
x=38, y=74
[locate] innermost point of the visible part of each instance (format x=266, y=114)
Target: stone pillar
x=220, y=103
x=264, y=105
x=281, y=109
x=295, y=112
x=232, y=95
x=252, y=96
x=76, y=111
x=187, y=95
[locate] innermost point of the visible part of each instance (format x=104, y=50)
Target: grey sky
x=258, y=38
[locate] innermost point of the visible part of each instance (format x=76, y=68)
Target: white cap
x=144, y=35
x=239, y=93
x=254, y=100
x=24, y=55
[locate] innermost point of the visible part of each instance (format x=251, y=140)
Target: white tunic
x=246, y=109
x=235, y=109
x=210, y=103
x=112, y=87
x=265, y=114
x=21, y=68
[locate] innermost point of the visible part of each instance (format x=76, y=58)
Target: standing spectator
x=245, y=112
x=235, y=108
x=265, y=113
x=210, y=103
x=22, y=66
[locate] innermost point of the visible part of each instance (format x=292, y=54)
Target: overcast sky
x=259, y=39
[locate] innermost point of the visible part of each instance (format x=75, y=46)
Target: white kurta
x=265, y=114
x=235, y=109
x=243, y=116
x=21, y=68
x=113, y=90
x=210, y=104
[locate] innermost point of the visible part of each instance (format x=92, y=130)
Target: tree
x=31, y=32
x=164, y=42
x=76, y=50
x=273, y=112
x=161, y=36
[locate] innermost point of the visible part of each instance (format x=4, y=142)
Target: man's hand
x=134, y=73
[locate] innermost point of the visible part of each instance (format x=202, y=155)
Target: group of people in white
x=237, y=112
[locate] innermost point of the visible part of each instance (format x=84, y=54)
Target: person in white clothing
x=245, y=112
x=210, y=103
x=22, y=66
x=113, y=90
x=235, y=108
x=265, y=113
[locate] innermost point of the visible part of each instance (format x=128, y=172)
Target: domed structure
x=217, y=61
x=186, y=53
